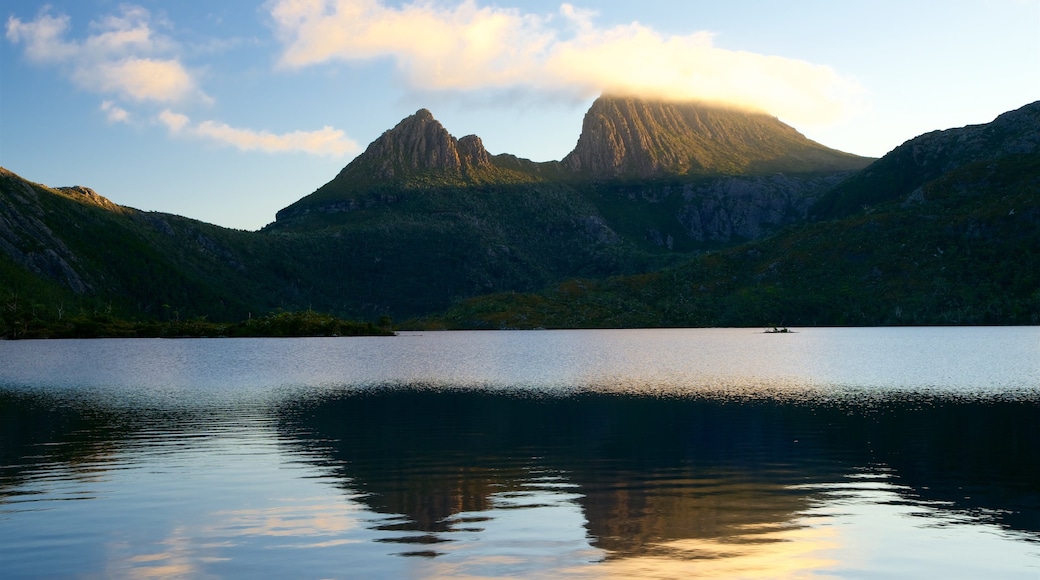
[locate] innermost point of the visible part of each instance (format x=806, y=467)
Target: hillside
x=900, y=173
x=429, y=218
x=950, y=243
x=662, y=235
x=442, y=219
x=70, y=245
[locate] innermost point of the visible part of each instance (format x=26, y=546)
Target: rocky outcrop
x=471, y=152
x=634, y=138
x=732, y=209
x=419, y=143
x=87, y=195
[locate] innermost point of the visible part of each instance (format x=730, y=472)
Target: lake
x=731, y=453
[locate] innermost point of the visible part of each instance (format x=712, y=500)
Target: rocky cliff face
x=730, y=209
x=418, y=143
x=621, y=138
x=633, y=138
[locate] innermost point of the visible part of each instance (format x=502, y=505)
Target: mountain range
x=663, y=214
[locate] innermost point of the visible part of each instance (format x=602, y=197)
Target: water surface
x=898, y=452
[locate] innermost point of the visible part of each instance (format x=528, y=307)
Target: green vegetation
x=943, y=230
x=965, y=253
x=34, y=321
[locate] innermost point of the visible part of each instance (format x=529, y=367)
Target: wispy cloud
x=466, y=47
x=115, y=113
x=325, y=141
x=122, y=56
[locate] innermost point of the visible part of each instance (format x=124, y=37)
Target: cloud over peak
x=469, y=47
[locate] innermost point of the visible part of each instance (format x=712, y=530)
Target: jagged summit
x=621, y=138
x=419, y=143
x=417, y=153
x=637, y=138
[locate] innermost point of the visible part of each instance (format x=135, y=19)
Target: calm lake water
x=848, y=453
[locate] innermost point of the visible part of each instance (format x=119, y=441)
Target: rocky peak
x=630, y=137
x=417, y=144
x=472, y=153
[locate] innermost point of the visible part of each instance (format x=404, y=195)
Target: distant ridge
x=922, y=159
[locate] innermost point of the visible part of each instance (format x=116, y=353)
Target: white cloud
x=122, y=56
x=325, y=141
x=115, y=113
x=173, y=121
x=42, y=38
x=468, y=47
x=140, y=79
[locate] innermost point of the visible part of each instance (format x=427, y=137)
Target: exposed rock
x=90, y=196
x=156, y=221
x=417, y=152
x=627, y=137
x=915, y=197
x=50, y=264
x=419, y=143
x=472, y=153
x=729, y=209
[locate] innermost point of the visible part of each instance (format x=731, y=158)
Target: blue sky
x=228, y=111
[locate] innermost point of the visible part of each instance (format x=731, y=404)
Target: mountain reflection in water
x=116, y=476
x=650, y=472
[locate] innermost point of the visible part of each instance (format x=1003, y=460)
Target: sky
x=228, y=111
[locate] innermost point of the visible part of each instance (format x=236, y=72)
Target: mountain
x=698, y=218
x=621, y=139
x=641, y=139
x=429, y=218
x=951, y=235
x=69, y=249
x=420, y=142
x=418, y=153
